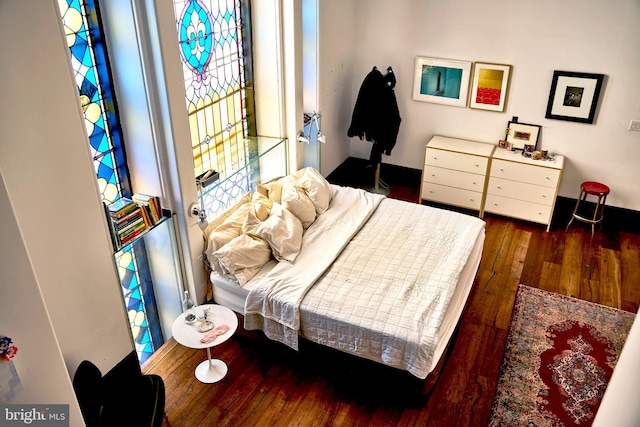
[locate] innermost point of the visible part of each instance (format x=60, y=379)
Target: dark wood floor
x=270, y=385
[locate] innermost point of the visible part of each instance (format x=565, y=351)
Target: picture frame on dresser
x=441, y=81
x=521, y=134
x=489, y=86
x=574, y=96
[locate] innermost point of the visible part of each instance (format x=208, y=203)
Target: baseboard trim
x=615, y=218
x=360, y=173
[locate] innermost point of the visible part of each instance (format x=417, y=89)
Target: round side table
x=211, y=370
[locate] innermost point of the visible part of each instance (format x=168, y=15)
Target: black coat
x=375, y=115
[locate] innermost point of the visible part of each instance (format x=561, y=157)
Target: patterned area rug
x=558, y=359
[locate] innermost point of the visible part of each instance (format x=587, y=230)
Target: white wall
x=536, y=38
x=37, y=372
x=51, y=182
x=336, y=82
x=619, y=405
x=267, y=50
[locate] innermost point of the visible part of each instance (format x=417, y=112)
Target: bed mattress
x=324, y=331
x=229, y=294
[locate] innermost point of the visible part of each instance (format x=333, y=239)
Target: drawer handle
x=547, y=178
x=544, y=196
x=471, y=200
x=474, y=183
x=495, y=204
x=499, y=188
x=501, y=170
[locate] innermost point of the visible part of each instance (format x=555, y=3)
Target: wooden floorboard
x=269, y=384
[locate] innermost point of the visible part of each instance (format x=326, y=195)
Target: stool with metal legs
x=594, y=189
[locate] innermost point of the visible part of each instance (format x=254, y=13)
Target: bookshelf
x=131, y=218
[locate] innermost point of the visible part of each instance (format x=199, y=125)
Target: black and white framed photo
x=574, y=96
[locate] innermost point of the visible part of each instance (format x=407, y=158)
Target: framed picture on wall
x=489, y=86
x=574, y=96
x=521, y=134
x=441, y=81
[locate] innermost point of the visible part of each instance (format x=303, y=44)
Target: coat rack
x=379, y=186
x=376, y=118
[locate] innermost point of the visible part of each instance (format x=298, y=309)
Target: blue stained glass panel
x=88, y=72
x=94, y=88
x=106, y=172
x=209, y=34
x=97, y=140
x=195, y=34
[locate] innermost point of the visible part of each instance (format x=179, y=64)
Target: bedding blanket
x=385, y=297
x=382, y=290
x=273, y=304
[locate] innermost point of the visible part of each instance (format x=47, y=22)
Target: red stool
x=594, y=189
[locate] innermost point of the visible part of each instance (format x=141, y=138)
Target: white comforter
x=379, y=291
x=273, y=304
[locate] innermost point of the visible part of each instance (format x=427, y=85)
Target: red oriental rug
x=559, y=357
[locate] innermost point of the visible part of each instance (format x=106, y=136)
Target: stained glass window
x=213, y=44
x=89, y=61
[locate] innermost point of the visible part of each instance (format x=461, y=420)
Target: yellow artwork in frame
x=489, y=87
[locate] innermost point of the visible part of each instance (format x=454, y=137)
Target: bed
x=378, y=278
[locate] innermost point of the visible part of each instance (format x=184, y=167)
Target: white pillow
x=295, y=200
x=282, y=231
x=231, y=227
x=213, y=224
x=228, y=230
x=272, y=189
x=242, y=252
x=317, y=188
x=262, y=206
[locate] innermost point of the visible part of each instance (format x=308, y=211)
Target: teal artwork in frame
x=441, y=81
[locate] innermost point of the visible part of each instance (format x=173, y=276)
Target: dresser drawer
x=457, y=161
x=536, y=175
x=521, y=209
x=521, y=191
x=451, y=196
x=453, y=178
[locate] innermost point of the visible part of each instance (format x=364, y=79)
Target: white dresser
x=455, y=172
x=522, y=188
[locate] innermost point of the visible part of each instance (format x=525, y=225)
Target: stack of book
x=131, y=217
x=150, y=207
x=127, y=219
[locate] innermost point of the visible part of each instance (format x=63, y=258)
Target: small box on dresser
x=455, y=172
x=522, y=188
